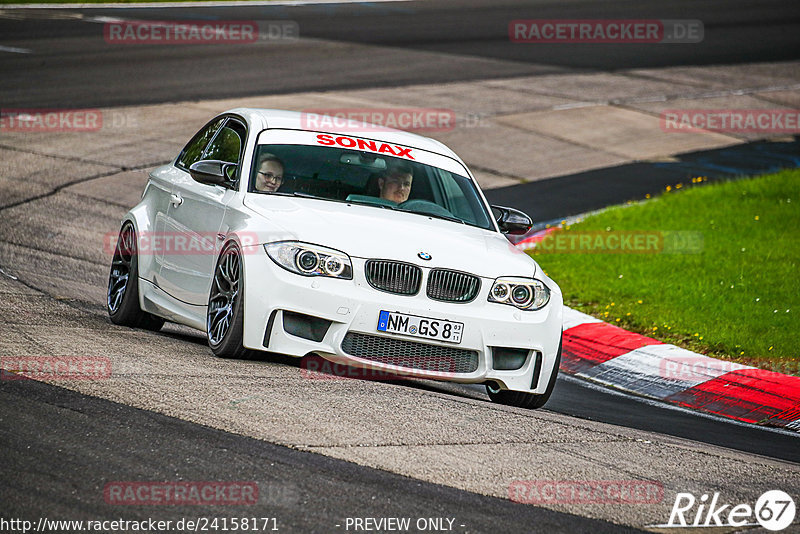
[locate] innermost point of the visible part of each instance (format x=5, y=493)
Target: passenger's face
x=269, y=177
x=396, y=188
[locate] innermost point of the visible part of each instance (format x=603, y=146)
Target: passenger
x=395, y=183
x=270, y=173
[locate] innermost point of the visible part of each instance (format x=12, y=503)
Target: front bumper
x=353, y=306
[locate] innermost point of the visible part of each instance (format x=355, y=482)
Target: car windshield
x=384, y=182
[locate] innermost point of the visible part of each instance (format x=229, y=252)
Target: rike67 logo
x=774, y=510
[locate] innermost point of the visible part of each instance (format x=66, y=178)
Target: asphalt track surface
x=98, y=440
x=362, y=45
x=369, y=45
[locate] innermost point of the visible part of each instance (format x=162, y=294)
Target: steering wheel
x=419, y=205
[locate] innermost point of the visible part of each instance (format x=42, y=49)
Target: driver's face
x=396, y=188
x=270, y=176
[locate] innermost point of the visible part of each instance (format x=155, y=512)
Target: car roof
x=296, y=120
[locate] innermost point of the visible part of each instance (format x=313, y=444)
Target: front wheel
x=225, y=316
x=122, y=297
x=520, y=399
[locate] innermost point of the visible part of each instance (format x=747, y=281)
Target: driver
x=270, y=173
x=395, y=183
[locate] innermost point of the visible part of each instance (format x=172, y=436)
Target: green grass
x=738, y=298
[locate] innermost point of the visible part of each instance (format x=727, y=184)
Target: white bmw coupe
x=366, y=246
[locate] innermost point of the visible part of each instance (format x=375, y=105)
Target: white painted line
x=575, y=105
x=232, y=3
x=641, y=99
x=104, y=20
x=8, y=275
x=15, y=50
x=669, y=98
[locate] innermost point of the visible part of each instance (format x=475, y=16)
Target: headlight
x=310, y=260
x=524, y=293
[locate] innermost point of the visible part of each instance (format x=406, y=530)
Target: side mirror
x=512, y=221
x=212, y=172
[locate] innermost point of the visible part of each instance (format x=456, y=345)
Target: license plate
x=413, y=325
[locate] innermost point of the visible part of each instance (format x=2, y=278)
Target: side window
x=194, y=150
x=227, y=145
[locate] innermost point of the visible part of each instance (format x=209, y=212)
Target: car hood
x=373, y=232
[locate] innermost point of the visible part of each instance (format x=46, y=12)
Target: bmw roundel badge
x=424, y=256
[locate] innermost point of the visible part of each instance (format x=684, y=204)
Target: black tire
x=122, y=296
x=225, y=313
x=520, y=399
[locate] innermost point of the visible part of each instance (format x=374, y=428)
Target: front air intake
x=410, y=354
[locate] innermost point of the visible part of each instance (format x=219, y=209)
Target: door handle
x=175, y=200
